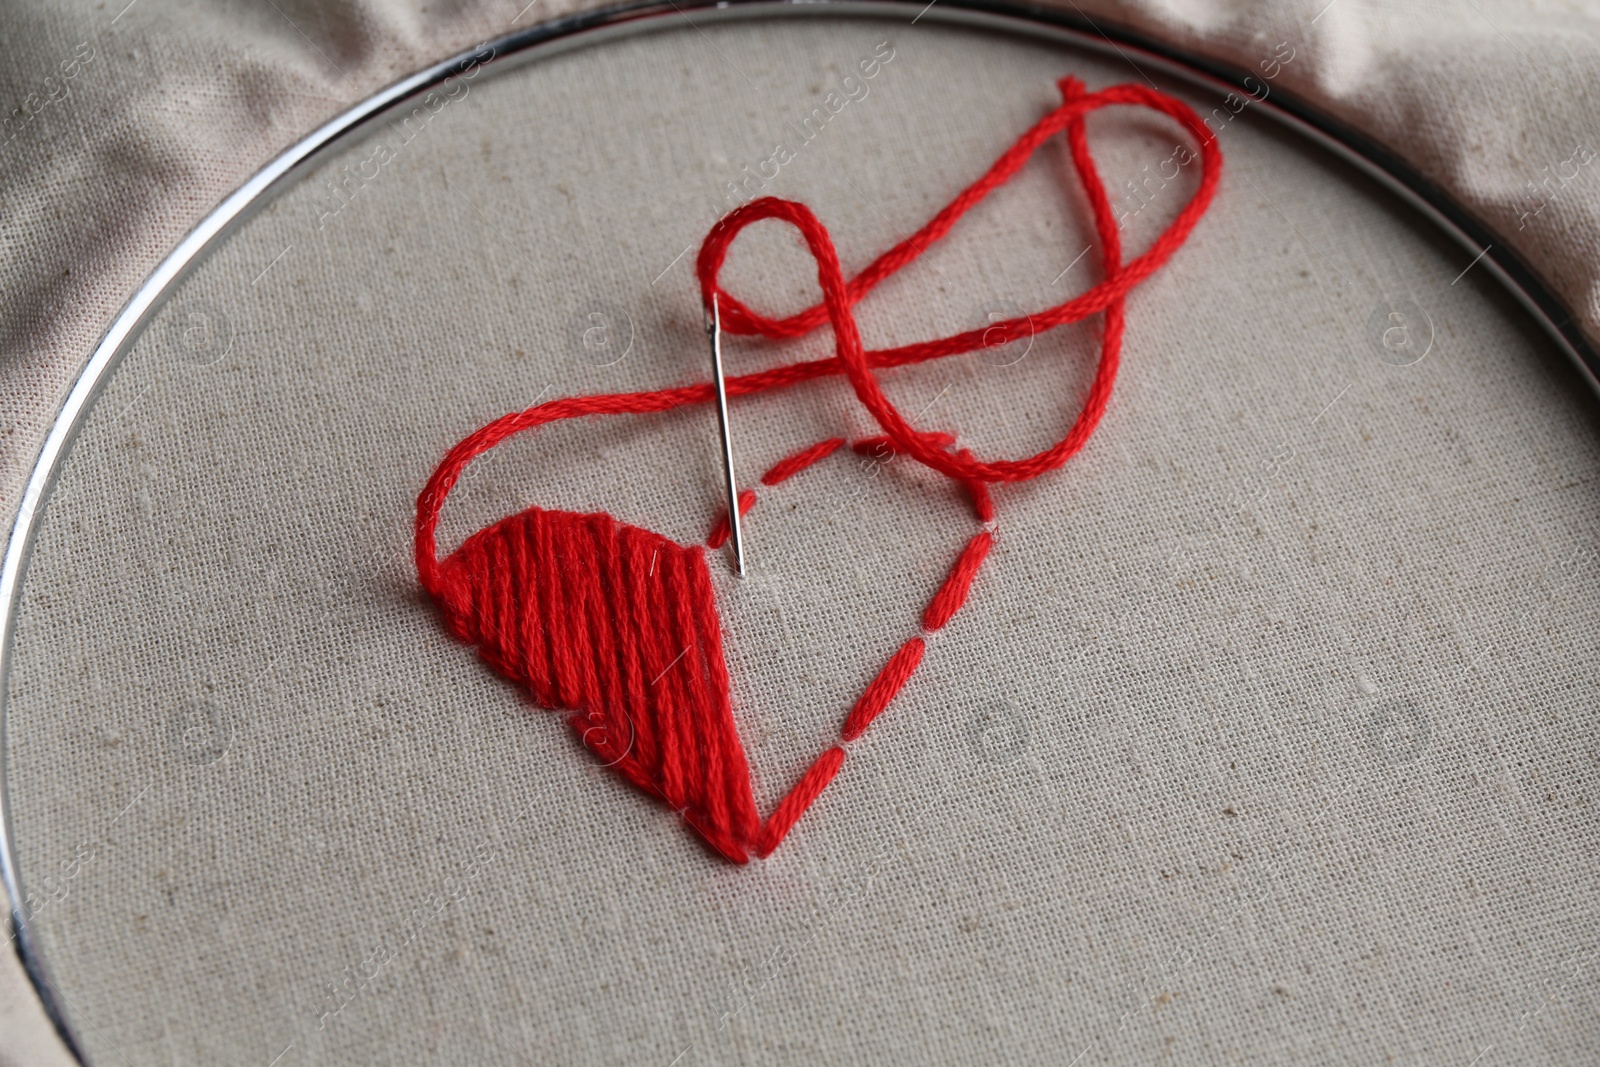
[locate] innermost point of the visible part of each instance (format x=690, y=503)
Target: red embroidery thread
x=619, y=626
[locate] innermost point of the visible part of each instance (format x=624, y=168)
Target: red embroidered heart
x=618, y=626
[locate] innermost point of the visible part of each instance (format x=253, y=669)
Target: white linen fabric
x=1267, y=735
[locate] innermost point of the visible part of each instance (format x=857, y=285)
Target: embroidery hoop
x=552, y=38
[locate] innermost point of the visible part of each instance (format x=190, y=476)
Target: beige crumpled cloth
x=128, y=123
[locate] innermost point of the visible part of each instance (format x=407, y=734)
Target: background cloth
x=136, y=120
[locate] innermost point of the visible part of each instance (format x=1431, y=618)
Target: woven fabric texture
x=1266, y=734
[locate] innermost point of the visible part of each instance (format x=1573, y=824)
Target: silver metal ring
x=584, y=30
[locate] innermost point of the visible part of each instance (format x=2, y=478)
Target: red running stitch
x=723, y=529
x=882, y=689
x=953, y=593
x=781, y=471
x=787, y=468
x=619, y=625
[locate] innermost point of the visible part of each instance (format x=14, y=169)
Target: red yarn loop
x=839, y=296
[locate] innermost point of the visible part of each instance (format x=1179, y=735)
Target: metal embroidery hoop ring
x=1069, y=28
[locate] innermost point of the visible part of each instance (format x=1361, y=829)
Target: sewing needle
x=714, y=328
